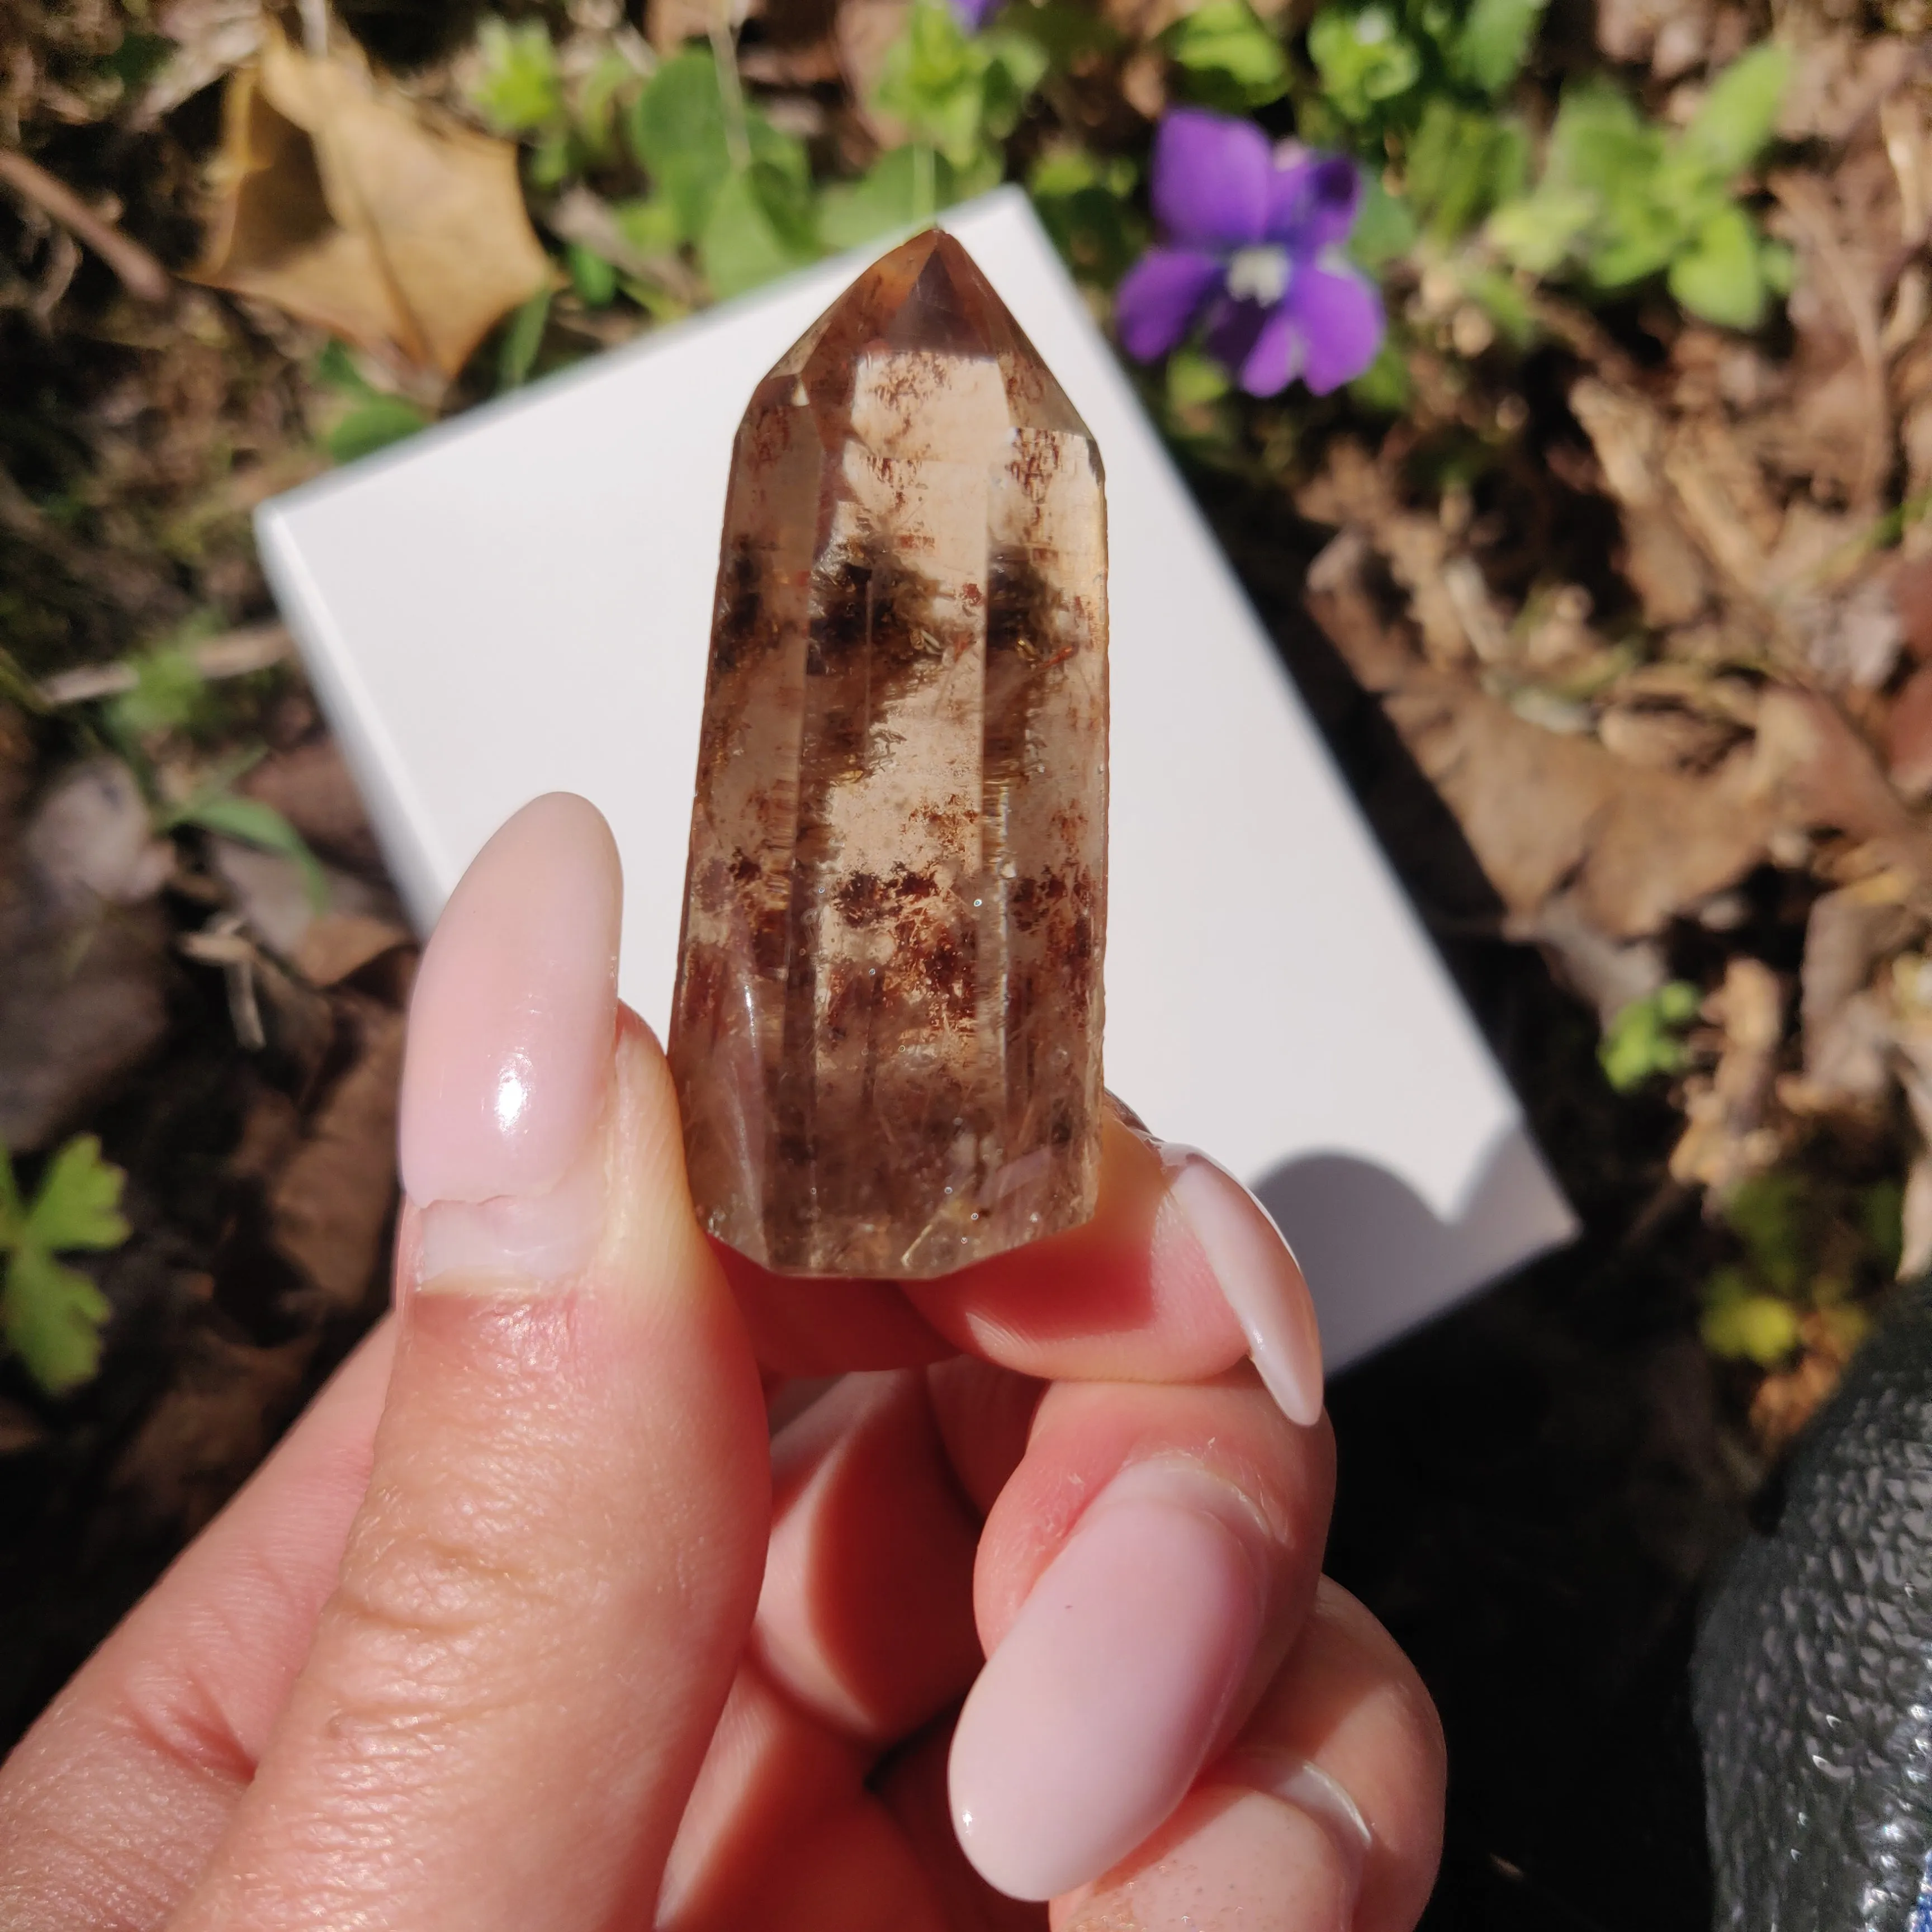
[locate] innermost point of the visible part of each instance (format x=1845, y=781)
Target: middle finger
x=1179, y=1274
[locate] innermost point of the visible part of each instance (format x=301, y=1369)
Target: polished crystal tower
x=886, y=1032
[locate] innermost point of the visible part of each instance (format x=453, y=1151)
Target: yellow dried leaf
x=349, y=204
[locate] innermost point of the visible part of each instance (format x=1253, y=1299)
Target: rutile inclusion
x=886, y=1035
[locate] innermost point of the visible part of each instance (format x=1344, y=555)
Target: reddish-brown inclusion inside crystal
x=886, y=1031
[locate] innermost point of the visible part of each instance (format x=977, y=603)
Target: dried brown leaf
x=1846, y=1029
x=1726, y=1139
x=1672, y=579
x=330, y=1204
x=1637, y=846
x=352, y=206
x=210, y=1425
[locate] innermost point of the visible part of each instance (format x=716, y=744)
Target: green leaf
x=1488, y=52
x=1227, y=57
x=138, y=58
x=51, y=1318
x=1742, y=1323
x=523, y=337
x=375, y=425
x=78, y=1204
x=1643, y=1040
x=1364, y=60
x=555, y=160
x=169, y=693
x=593, y=278
x=1385, y=227
x=1719, y=276
x=610, y=79
x=1741, y=111
x=1460, y=162
x=1767, y=1213
x=255, y=823
x=1598, y=141
x=1384, y=385
x=1070, y=37
x=1635, y=235
x=518, y=90
x=335, y=368
x=1017, y=66
x=886, y=199
x=650, y=224
x=1082, y=202
x=760, y=228
x=1505, y=305
x=1194, y=380
x=955, y=91
x=676, y=130
x=1539, y=232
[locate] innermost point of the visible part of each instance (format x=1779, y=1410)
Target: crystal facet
x=886, y=1031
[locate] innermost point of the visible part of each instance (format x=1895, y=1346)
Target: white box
x=519, y=601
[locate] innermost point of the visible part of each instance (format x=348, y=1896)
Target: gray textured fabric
x=1812, y=1678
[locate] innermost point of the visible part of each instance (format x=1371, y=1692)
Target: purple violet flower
x=1254, y=240
x=973, y=14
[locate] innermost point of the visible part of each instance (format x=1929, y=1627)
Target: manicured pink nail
x=1258, y=1275
x=1091, y=1719
x=510, y=1033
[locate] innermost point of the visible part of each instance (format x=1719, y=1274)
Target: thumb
x=544, y=1595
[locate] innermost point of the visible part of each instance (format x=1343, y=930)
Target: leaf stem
x=730, y=88
x=925, y=187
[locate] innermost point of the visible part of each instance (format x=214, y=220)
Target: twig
x=234, y=654
x=141, y=274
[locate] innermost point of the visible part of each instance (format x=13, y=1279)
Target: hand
x=523, y=1626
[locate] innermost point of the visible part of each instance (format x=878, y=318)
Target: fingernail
x=508, y=1068
x=1257, y=1274
x=1100, y=1706
x=1237, y=1859
x=1296, y=1780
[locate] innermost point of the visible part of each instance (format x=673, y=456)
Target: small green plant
x=215, y=806
x=368, y=419
x=1621, y=199
x=724, y=180
x=1422, y=83
x=51, y=1315
x=1646, y=1038
x=1226, y=58
x=1807, y=1246
x=1381, y=66
x=519, y=88
x=960, y=94
x=1084, y=203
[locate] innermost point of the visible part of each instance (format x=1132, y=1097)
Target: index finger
x=1180, y=1273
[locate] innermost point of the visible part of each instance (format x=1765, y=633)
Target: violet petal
x=1210, y=177
x=1277, y=356
x=1160, y=296
x=972, y=14
x=1233, y=329
x=1313, y=202
x=1338, y=314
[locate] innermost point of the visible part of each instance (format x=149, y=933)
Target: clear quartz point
x=886, y=1031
